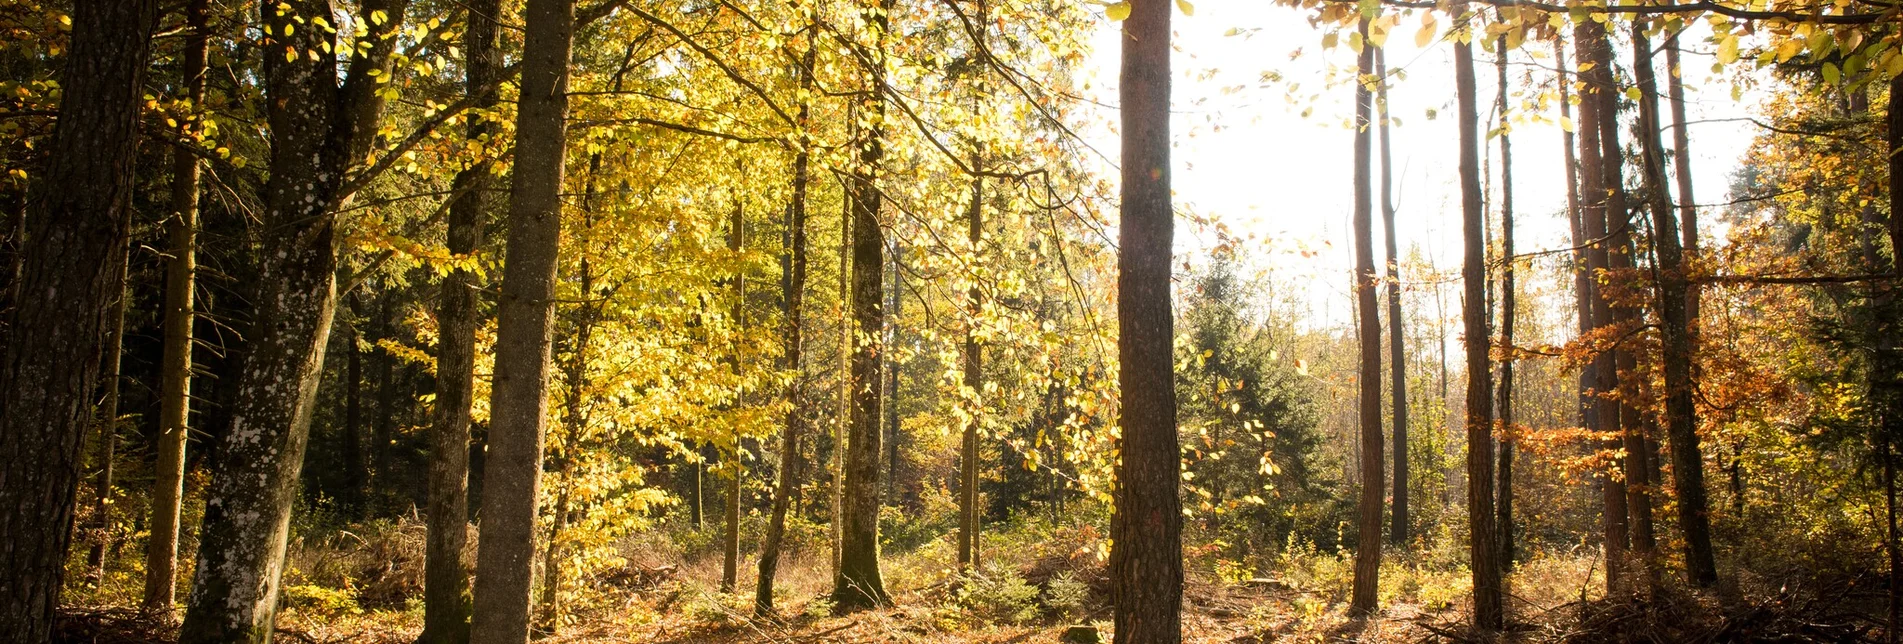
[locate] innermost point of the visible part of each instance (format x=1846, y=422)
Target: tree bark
x=1368, y=515
x=1682, y=168
x=842, y=417
x=75, y=249
x=107, y=421
x=974, y=381
x=1488, y=612
x=519, y=398
x=1503, y=518
x=792, y=343
x=1674, y=298
x=175, y=368
x=859, y=583
x=1594, y=192
x=446, y=598
x=1146, y=558
x=1397, y=330
x=730, y=561
x=894, y=316
x=1582, y=279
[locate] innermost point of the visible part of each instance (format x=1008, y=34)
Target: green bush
x=999, y=594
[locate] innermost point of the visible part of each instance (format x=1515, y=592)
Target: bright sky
x=1245, y=153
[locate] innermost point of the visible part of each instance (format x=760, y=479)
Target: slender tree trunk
x=894, y=317
x=52, y=353
x=519, y=398
x=1146, y=530
x=794, y=286
x=107, y=420
x=842, y=417
x=1368, y=515
x=552, y=558
x=175, y=368
x=974, y=382
x=1582, y=279
x=1488, y=611
x=730, y=561
x=1674, y=297
x=385, y=428
x=356, y=477
x=1682, y=167
x=1594, y=191
x=1397, y=353
x=1503, y=518
x=446, y=598
x=859, y=583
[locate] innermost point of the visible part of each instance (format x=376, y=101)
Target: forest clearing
x=497, y=321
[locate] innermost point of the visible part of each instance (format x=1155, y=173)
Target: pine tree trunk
x=1146, y=556
x=791, y=342
x=1674, y=297
x=1593, y=189
x=1503, y=518
x=1484, y=553
x=1682, y=168
x=519, y=398
x=1582, y=279
x=1368, y=515
x=446, y=598
x=973, y=367
x=175, y=368
x=859, y=583
x=1397, y=353
x=76, y=241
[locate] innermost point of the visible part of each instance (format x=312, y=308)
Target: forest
x=497, y=321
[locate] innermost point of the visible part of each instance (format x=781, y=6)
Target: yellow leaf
x=1118, y=11
x=1728, y=49
x=1185, y=7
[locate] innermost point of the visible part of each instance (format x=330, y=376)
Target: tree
x=1484, y=554
x=1146, y=562
x=730, y=561
x=1674, y=296
x=1368, y=522
x=858, y=583
x=76, y=240
x=1397, y=345
x=974, y=384
x=1503, y=520
x=519, y=397
x=1588, y=37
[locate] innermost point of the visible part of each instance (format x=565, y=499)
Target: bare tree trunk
x=107, y=421
x=1368, y=514
x=446, y=598
x=519, y=398
x=730, y=561
x=1594, y=190
x=968, y=528
x=76, y=248
x=1397, y=353
x=1674, y=298
x=175, y=368
x=1503, y=518
x=1682, y=167
x=1146, y=558
x=1488, y=612
x=894, y=317
x=1582, y=278
x=798, y=413
x=859, y=583
x=842, y=421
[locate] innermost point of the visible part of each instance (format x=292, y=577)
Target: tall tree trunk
x=842, y=416
x=1146, y=530
x=1503, y=518
x=894, y=317
x=107, y=420
x=1582, y=278
x=1682, y=168
x=175, y=368
x=1368, y=514
x=575, y=420
x=76, y=248
x=1397, y=352
x=973, y=368
x=859, y=583
x=1488, y=611
x=446, y=598
x=318, y=127
x=791, y=342
x=1674, y=296
x=1594, y=190
x=730, y=561
x=519, y=398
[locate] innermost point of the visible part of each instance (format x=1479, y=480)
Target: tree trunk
x=973, y=367
x=791, y=341
x=356, y=476
x=1397, y=353
x=175, y=368
x=107, y=420
x=1582, y=279
x=1682, y=167
x=859, y=584
x=1146, y=552
x=446, y=598
x=1674, y=296
x=842, y=417
x=1503, y=517
x=894, y=316
x=519, y=398
x=386, y=404
x=77, y=249
x=1593, y=188
x=1368, y=514
x=730, y=562
x=1488, y=612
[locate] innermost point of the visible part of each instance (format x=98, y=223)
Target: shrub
x=1065, y=596
x=999, y=594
